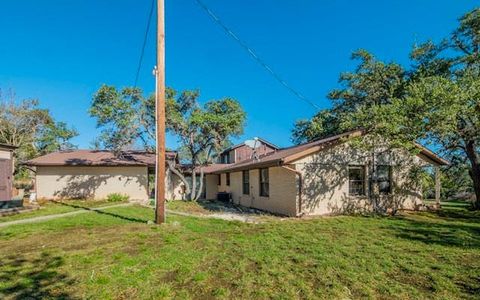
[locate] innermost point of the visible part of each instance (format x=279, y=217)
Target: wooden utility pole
x=160, y=116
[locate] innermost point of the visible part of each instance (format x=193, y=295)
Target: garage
x=94, y=174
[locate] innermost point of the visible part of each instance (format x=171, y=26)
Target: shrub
x=116, y=197
x=23, y=184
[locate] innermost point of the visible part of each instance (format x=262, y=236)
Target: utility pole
x=160, y=117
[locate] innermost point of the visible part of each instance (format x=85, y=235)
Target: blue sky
x=61, y=51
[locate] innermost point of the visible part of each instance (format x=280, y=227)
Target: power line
x=255, y=56
x=145, y=37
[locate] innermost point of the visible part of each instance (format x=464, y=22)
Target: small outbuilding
x=6, y=172
x=94, y=174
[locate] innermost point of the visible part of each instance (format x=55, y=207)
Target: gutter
x=300, y=185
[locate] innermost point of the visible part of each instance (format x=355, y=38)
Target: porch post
x=437, y=186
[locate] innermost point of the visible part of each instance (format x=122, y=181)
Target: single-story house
x=6, y=172
x=326, y=176
x=94, y=174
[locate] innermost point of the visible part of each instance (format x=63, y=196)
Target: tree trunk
x=200, y=189
x=474, y=159
x=172, y=168
x=194, y=184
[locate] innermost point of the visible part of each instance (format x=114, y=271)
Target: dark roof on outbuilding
x=97, y=158
x=8, y=147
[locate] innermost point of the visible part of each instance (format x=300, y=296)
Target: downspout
x=300, y=184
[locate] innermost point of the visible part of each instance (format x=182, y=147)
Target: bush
x=116, y=197
x=23, y=185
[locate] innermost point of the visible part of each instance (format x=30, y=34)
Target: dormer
x=246, y=150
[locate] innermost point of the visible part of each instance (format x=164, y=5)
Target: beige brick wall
x=211, y=186
x=325, y=181
x=325, y=184
x=91, y=182
x=283, y=190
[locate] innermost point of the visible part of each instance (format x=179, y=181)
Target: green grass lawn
x=451, y=204
x=114, y=254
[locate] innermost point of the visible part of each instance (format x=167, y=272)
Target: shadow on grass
x=37, y=278
x=102, y=212
x=456, y=228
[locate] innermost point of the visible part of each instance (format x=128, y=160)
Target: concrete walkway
x=57, y=216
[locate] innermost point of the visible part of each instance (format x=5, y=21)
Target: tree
x=55, y=137
x=126, y=118
x=446, y=97
x=32, y=129
x=437, y=101
x=324, y=123
x=202, y=130
x=360, y=101
x=448, y=110
x=367, y=96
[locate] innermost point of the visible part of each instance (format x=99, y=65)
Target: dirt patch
x=218, y=210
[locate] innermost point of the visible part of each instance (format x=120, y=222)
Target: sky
x=62, y=51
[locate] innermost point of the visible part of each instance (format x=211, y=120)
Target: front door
x=5, y=179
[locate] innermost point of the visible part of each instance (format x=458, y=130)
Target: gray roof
x=241, y=144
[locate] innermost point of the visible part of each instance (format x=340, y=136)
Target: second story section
x=256, y=147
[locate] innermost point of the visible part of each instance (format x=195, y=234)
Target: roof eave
x=32, y=164
x=9, y=147
x=432, y=156
x=259, y=165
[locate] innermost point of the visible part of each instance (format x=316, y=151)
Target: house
x=6, y=172
x=246, y=150
x=326, y=176
x=93, y=174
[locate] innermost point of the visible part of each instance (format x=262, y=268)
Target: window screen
x=356, y=180
x=264, y=183
x=384, y=174
x=246, y=182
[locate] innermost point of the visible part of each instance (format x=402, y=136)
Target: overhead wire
x=144, y=44
x=254, y=55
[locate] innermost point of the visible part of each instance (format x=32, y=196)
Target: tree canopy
x=32, y=129
x=202, y=130
x=127, y=117
x=436, y=101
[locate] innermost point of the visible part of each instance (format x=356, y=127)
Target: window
x=356, y=180
x=246, y=182
x=224, y=158
x=219, y=179
x=384, y=174
x=228, y=179
x=264, y=183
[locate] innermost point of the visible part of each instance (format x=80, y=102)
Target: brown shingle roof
x=97, y=158
x=8, y=147
x=291, y=154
